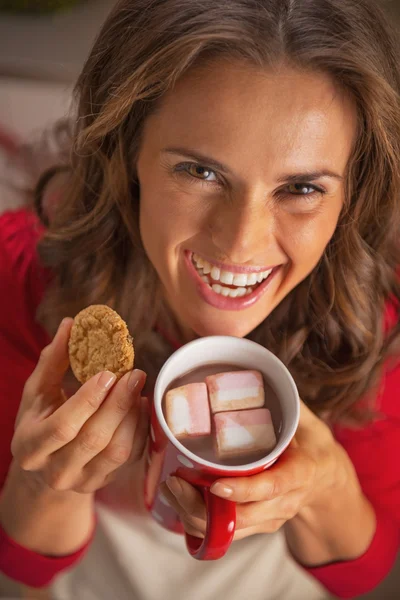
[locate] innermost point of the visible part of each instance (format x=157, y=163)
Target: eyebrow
x=214, y=164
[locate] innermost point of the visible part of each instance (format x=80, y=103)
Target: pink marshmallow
x=187, y=411
x=244, y=432
x=236, y=390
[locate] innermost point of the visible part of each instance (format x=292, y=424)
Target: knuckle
x=118, y=454
x=93, y=399
x=275, y=525
x=62, y=433
x=248, y=492
x=25, y=459
x=312, y=468
x=192, y=530
x=93, y=441
x=29, y=389
x=27, y=462
x=138, y=449
x=122, y=403
x=85, y=484
x=85, y=488
x=196, y=524
x=45, y=354
x=198, y=512
x=16, y=447
x=242, y=521
x=274, y=488
x=289, y=509
x=57, y=480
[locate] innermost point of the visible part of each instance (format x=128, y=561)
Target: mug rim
x=263, y=462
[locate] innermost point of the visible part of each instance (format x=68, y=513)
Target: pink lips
x=225, y=302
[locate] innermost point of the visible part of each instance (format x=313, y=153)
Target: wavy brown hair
x=329, y=329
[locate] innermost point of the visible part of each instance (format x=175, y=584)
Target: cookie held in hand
x=100, y=341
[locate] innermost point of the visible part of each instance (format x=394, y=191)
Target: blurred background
x=43, y=45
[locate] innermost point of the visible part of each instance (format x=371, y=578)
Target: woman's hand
x=313, y=472
x=78, y=444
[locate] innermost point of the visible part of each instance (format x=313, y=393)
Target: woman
x=214, y=141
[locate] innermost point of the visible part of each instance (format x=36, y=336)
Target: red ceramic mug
x=167, y=456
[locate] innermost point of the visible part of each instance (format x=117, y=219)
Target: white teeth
x=226, y=277
x=224, y=291
x=215, y=273
x=251, y=278
x=240, y=279
x=241, y=291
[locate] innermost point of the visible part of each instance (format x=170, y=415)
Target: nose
x=243, y=228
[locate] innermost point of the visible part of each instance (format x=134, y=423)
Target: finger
x=294, y=470
x=188, y=497
x=49, y=372
x=139, y=448
x=54, y=360
x=192, y=530
x=126, y=446
x=33, y=444
x=268, y=527
x=192, y=524
x=98, y=431
x=167, y=497
x=141, y=432
x=261, y=514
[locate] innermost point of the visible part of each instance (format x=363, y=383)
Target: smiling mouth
x=227, y=283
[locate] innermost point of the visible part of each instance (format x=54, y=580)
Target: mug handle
x=221, y=523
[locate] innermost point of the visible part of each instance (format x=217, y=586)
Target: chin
x=232, y=326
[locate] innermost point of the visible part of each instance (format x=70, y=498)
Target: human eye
x=197, y=171
x=304, y=190
x=301, y=196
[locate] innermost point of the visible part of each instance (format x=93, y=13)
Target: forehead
x=236, y=112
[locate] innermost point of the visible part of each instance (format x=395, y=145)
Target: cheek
x=167, y=219
x=306, y=239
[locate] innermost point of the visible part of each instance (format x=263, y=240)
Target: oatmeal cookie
x=100, y=341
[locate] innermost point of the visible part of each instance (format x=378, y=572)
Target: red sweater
x=374, y=450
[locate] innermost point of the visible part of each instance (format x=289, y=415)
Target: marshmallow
x=187, y=411
x=236, y=390
x=244, y=432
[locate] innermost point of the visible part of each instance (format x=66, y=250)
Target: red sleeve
x=22, y=284
x=375, y=453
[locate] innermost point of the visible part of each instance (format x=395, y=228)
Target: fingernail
x=145, y=405
x=219, y=489
x=174, y=486
x=61, y=327
x=136, y=378
x=163, y=499
x=106, y=379
x=66, y=321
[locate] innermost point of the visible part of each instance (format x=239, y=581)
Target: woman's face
x=241, y=174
